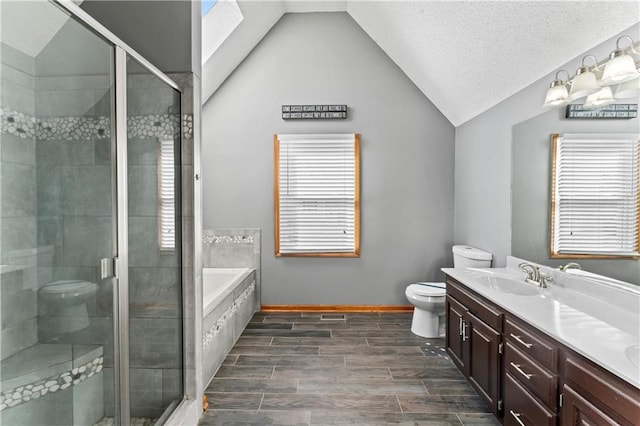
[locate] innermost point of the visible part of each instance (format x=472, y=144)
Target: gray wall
x=158, y=30
x=406, y=160
x=530, y=199
x=483, y=153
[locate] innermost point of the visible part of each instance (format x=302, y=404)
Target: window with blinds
x=166, y=195
x=595, y=202
x=317, y=206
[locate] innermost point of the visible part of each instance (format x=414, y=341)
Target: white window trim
x=630, y=214
x=288, y=249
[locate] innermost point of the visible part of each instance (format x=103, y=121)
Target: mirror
x=530, y=190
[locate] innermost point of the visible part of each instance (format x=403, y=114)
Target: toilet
x=64, y=304
x=428, y=298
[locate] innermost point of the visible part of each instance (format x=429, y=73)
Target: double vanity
x=562, y=353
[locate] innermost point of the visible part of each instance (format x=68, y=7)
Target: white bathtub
x=218, y=283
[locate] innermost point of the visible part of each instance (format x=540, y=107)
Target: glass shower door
x=57, y=219
x=155, y=250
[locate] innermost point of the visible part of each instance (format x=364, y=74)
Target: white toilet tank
x=470, y=257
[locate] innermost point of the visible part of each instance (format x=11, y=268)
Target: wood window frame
x=276, y=198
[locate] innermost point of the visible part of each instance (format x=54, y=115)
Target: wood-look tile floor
x=366, y=369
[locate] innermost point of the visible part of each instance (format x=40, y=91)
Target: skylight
x=207, y=5
x=217, y=24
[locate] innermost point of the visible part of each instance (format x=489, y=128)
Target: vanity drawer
x=521, y=409
x=537, y=379
x=532, y=344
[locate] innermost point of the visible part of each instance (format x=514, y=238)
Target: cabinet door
x=483, y=362
x=455, y=321
x=577, y=411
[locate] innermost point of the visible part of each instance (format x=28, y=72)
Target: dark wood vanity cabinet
x=474, y=342
x=526, y=377
x=593, y=396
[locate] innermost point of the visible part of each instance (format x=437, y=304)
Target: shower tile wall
x=18, y=207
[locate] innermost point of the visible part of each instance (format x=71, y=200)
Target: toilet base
x=425, y=324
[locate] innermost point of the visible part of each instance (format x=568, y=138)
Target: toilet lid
x=428, y=289
x=66, y=286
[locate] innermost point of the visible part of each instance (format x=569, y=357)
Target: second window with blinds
x=317, y=195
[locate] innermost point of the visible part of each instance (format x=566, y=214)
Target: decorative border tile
x=208, y=336
x=26, y=393
x=88, y=128
x=232, y=239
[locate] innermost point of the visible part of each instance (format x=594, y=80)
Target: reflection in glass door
x=57, y=219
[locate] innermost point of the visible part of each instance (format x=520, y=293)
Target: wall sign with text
x=609, y=111
x=290, y=112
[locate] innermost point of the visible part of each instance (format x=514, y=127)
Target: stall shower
x=91, y=275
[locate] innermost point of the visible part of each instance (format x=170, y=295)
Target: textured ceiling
x=465, y=56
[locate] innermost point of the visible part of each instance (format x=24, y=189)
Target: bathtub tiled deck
x=368, y=369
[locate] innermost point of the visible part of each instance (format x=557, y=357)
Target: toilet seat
x=68, y=286
x=428, y=289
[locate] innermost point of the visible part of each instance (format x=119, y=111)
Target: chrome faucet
x=534, y=276
x=570, y=265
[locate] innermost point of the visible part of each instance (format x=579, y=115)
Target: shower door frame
x=121, y=263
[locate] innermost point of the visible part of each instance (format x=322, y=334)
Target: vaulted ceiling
x=465, y=56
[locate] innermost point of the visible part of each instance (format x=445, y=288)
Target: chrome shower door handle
x=108, y=267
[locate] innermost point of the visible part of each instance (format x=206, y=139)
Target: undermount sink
x=505, y=284
x=633, y=354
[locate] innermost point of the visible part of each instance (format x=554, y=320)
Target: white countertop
x=597, y=321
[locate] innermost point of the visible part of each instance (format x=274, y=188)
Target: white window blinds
x=316, y=194
x=595, y=202
x=166, y=195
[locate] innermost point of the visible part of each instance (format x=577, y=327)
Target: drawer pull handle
x=460, y=326
x=519, y=340
x=519, y=370
x=464, y=332
x=517, y=417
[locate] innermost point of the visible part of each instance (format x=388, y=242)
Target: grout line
x=425, y=387
x=273, y=372
x=261, y=399
x=399, y=405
